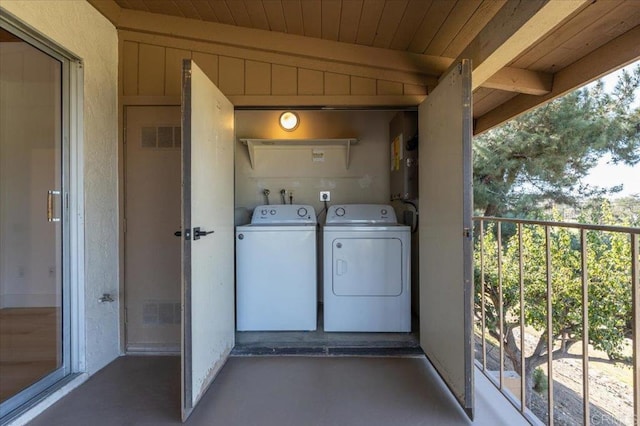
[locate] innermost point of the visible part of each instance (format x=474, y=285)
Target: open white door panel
x=208, y=327
x=446, y=287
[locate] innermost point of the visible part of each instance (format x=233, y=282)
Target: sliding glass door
x=34, y=317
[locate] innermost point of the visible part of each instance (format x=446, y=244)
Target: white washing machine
x=276, y=271
x=366, y=270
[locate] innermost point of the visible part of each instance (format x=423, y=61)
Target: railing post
x=635, y=300
x=549, y=324
x=585, y=327
x=482, y=302
x=523, y=383
x=501, y=307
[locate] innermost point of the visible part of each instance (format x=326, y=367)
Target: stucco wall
x=79, y=28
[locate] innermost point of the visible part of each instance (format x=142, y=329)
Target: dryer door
x=367, y=267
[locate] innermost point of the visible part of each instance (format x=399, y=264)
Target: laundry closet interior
x=362, y=254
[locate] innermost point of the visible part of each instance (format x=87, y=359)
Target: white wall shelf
x=251, y=145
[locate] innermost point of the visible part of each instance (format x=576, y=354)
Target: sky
x=607, y=174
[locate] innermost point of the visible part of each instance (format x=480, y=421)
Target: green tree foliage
x=609, y=289
x=543, y=155
x=624, y=210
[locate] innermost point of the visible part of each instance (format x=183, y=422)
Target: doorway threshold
x=321, y=343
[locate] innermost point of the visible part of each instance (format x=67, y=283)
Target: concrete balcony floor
x=278, y=390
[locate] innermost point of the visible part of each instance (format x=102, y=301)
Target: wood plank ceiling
x=437, y=28
x=431, y=27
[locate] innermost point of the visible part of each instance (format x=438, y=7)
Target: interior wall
x=81, y=29
x=28, y=134
x=293, y=168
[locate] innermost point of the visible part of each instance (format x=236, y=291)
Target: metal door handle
x=178, y=233
x=341, y=267
x=51, y=207
x=197, y=233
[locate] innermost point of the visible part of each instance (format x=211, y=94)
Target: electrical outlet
x=325, y=195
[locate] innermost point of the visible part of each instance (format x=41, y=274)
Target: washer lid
x=284, y=214
x=366, y=214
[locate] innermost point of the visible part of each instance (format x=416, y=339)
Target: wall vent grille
x=161, y=137
x=161, y=313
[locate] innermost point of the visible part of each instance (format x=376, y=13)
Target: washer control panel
x=361, y=213
x=284, y=214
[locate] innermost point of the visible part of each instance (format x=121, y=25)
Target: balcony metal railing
x=492, y=292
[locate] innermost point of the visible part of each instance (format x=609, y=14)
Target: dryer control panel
x=361, y=213
x=284, y=214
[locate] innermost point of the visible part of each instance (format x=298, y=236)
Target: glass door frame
x=71, y=235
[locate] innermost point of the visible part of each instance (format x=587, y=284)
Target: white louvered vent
x=161, y=137
x=161, y=313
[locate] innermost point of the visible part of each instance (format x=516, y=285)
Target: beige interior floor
x=268, y=390
x=28, y=347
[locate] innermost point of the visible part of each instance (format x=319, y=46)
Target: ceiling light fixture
x=289, y=121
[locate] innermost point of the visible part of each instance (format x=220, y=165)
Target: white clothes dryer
x=366, y=270
x=276, y=269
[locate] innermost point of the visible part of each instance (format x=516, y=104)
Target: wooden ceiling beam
x=615, y=54
x=521, y=81
x=516, y=27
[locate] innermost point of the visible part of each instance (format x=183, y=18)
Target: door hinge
x=124, y=225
